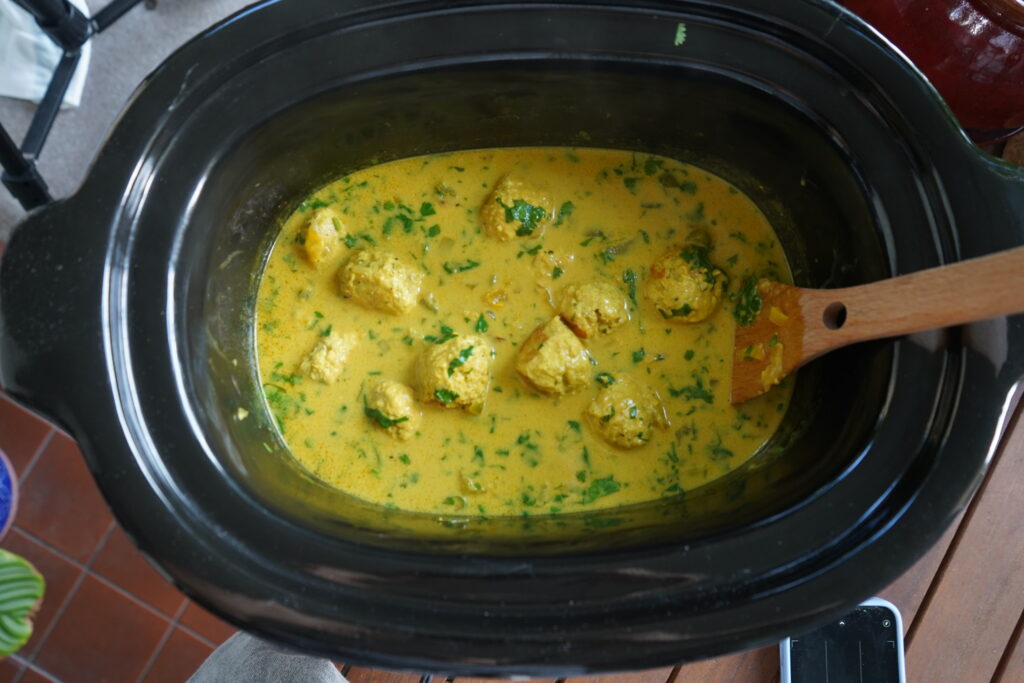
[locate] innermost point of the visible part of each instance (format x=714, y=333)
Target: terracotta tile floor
x=107, y=615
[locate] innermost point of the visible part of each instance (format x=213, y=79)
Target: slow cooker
x=126, y=311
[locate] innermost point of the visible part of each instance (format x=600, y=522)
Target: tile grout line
x=158, y=650
x=196, y=634
x=74, y=589
x=29, y=666
x=24, y=662
x=175, y=619
x=132, y=598
x=99, y=577
x=52, y=548
x=156, y=653
x=43, y=445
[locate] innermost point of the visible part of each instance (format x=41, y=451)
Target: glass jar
x=971, y=50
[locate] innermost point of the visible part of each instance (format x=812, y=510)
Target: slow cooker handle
x=51, y=276
x=998, y=196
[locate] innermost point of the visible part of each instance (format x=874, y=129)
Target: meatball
x=553, y=360
x=327, y=359
x=685, y=286
x=321, y=235
x=593, y=308
x=625, y=412
x=456, y=373
x=379, y=280
x=391, y=406
x=515, y=209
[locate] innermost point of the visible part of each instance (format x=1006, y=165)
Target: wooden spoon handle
x=963, y=292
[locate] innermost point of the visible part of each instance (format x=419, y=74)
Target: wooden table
x=962, y=603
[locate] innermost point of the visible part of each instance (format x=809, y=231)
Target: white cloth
x=28, y=57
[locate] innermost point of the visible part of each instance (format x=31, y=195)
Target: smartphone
x=865, y=645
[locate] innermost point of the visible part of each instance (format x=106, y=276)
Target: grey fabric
x=245, y=659
x=121, y=57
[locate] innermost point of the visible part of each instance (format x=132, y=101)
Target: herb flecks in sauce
x=595, y=216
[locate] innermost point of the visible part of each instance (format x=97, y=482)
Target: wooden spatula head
x=769, y=348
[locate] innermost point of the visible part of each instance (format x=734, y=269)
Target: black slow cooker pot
x=126, y=314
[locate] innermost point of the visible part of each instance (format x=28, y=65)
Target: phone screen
x=862, y=646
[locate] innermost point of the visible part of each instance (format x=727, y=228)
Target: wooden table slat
x=649, y=676
x=908, y=592
x=1013, y=663
x=753, y=666
x=359, y=675
x=974, y=605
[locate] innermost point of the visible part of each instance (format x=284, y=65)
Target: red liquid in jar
x=971, y=50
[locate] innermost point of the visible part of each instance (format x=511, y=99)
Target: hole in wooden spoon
x=835, y=315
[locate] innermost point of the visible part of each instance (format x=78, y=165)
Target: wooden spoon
x=794, y=325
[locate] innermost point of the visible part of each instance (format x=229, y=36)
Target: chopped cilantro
x=446, y=334
x=460, y=360
x=681, y=312
x=748, y=302
x=575, y=426
x=564, y=211
x=530, y=250
x=527, y=215
x=556, y=273
x=599, y=488
x=638, y=355
x=604, y=379
x=382, y=419
x=405, y=221
x=631, y=183
x=427, y=209
x=433, y=231
x=697, y=258
x=718, y=452
x=445, y=395
x=310, y=204
x=481, y=324
x=452, y=267
x=695, y=392
x=629, y=277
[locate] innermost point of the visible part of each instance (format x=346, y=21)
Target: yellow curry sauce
x=603, y=217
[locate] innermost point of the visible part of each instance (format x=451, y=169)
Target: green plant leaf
x=21, y=590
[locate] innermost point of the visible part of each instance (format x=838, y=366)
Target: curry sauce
x=426, y=342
